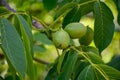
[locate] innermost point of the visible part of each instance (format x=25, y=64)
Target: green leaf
x=68, y=67
x=28, y=43
x=3, y=11
x=66, y=56
x=78, y=11
x=26, y=26
x=49, y=4
x=41, y=37
x=28, y=18
x=104, y=72
x=39, y=48
x=52, y=74
x=110, y=72
x=79, y=66
x=16, y=22
x=86, y=9
x=13, y=47
x=86, y=74
x=115, y=62
x=72, y=16
x=64, y=9
x=63, y=2
x=98, y=75
x=95, y=58
x=60, y=61
x=90, y=49
x=103, y=26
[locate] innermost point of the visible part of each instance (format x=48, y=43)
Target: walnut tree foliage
x=83, y=62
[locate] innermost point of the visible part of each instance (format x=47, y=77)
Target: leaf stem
x=94, y=65
x=101, y=71
x=84, y=55
x=51, y=26
x=87, y=2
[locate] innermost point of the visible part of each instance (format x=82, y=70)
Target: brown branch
x=41, y=61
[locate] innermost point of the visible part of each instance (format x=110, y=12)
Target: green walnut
x=76, y=30
x=87, y=38
x=61, y=39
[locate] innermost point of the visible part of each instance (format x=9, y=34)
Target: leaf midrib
x=101, y=71
x=84, y=3
x=87, y=72
x=102, y=21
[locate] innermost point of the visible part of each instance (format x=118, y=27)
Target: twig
x=35, y=59
x=41, y=61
